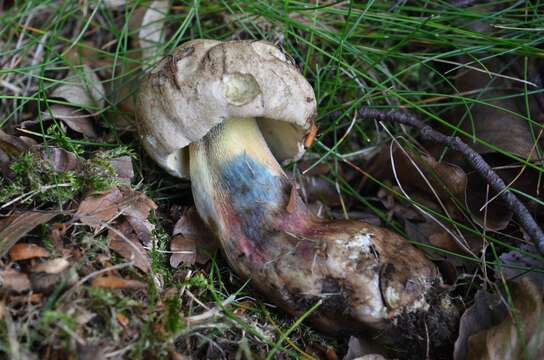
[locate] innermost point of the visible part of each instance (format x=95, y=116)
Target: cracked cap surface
x=205, y=82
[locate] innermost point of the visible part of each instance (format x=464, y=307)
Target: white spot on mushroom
x=357, y=245
x=372, y=307
x=240, y=89
x=392, y=296
x=361, y=241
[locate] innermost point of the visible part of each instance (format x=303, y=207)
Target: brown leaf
x=76, y=119
x=495, y=214
x=137, y=203
x=18, y=225
x=134, y=228
x=519, y=338
x=59, y=159
x=53, y=266
x=142, y=228
x=125, y=242
x=193, y=229
x=174, y=355
x=114, y=282
x=513, y=260
x=292, y=204
x=524, y=180
x=4, y=162
x=310, y=137
x=422, y=176
x=12, y=145
x=123, y=168
x=487, y=311
x=97, y=209
x=27, y=251
x=315, y=188
x=84, y=93
x=429, y=231
x=183, y=251
x=445, y=178
x=87, y=53
x=81, y=88
x=493, y=121
x=13, y=280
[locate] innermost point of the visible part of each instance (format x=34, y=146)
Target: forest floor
x=102, y=255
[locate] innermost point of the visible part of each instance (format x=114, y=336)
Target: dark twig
x=478, y=163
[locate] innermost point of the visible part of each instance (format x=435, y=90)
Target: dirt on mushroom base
x=425, y=333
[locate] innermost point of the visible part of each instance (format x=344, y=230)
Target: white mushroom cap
x=205, y=82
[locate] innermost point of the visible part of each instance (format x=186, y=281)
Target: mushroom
x=224, y=115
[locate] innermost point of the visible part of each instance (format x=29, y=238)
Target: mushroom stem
x=365, y=276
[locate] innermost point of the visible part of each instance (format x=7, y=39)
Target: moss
x=34, y=179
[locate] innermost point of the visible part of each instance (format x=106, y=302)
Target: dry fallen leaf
x=521, y=337
x=97, y=209
x=191, y=235
x=488, y=310
x=12, y=280
x=151, y=33
x=59, y=159
x=27, y=251
x=18, y=225
x=114, y=282
x=123, y=168
x=127, y=235
x=84, y=96
x=125, y=242
x=183, y=251
x=136, y=204
x=142, y=228
x=81, y=89
x=13, y=145
x=493, y=121
x=443, y=187
x=76, y=119
x=514, y=259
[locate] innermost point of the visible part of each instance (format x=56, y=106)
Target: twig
x=478, y=163
x=209, y=314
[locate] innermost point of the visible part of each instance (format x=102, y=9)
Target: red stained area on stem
x=237, y=241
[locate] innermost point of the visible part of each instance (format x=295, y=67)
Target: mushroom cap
x=205, y=82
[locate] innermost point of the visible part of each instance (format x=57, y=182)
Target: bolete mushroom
x=222, y=114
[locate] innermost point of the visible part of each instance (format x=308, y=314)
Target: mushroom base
x=366, y=278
